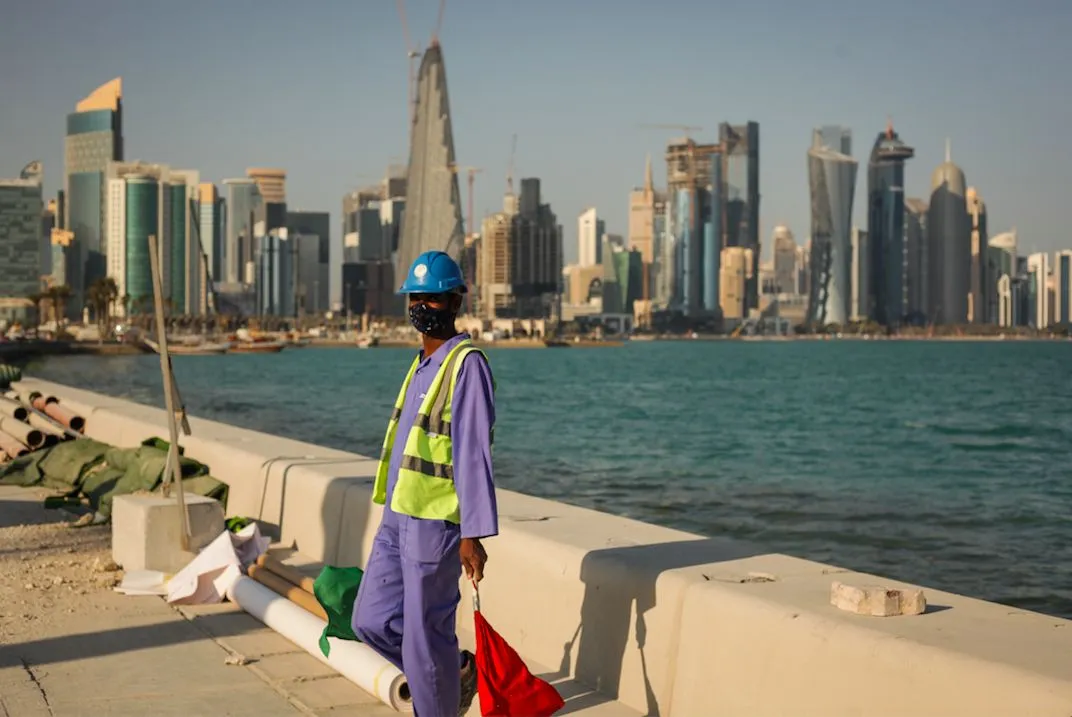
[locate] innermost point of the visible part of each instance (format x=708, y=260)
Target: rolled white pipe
x=353, y=660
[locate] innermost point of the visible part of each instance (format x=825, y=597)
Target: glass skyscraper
x=142, y=216
x=243, y=200
x=20, y=231
x=832, y=179
x=888, y=301
x=740, y=196
x=177, y=267
x=94, y=138
x=949, y=254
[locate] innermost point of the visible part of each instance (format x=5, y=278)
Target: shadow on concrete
x=27, y=509
x=615, y=580
x=89, y=645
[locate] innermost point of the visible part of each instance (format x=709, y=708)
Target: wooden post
x=172, y=468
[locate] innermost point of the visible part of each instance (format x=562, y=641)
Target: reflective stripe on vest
x=425, y=487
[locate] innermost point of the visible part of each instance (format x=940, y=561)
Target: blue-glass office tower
x=94, y=138
x=889, y=301
x=740, y=196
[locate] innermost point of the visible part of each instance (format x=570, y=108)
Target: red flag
x=504, y=683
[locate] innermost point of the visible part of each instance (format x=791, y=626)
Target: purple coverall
x=406, y=604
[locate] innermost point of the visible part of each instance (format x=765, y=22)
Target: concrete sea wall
x=656, y=621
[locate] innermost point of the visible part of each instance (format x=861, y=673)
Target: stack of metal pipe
x=32, y=420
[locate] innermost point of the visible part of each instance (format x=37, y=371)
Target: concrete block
x=146, y=530
x=876, y=600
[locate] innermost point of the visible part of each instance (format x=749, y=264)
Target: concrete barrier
x=656, y=621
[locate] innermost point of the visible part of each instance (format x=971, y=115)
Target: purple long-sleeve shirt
x=472, y=418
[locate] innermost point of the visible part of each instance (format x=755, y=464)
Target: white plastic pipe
x=353, y=660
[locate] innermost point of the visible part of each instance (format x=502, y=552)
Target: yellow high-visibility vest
x=425, y=487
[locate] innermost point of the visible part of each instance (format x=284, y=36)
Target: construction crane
x=510, y=165
x=471, y=173
x=686, y=129
x=413, y=52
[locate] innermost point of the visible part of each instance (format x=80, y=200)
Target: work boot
x=468, y=682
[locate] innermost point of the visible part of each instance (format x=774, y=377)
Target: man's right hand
x=473, y=558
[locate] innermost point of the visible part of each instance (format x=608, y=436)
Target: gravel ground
x=46, y=566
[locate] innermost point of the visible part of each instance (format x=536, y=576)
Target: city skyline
x=351, y=139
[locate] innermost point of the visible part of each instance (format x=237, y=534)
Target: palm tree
x=38, y=300
x=59, y=295
x=100, y=296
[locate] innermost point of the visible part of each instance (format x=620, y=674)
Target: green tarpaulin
x=336, y=591
x=100, y=472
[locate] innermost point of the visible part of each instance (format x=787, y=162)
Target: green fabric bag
x=336, y=590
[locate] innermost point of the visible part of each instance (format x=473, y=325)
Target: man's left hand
x=473, y=558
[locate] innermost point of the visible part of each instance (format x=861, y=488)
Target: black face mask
x=435, y=323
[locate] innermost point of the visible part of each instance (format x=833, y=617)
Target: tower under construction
x=433, y=217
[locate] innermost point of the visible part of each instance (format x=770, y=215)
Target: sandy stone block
x=146, y=530
x=876, y=600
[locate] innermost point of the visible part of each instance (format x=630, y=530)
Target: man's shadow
x=617, y=581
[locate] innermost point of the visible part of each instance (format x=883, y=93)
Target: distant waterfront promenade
x=942, y=463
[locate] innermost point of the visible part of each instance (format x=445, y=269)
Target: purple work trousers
x=406, y=605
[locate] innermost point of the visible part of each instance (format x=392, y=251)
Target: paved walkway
x=109, y=654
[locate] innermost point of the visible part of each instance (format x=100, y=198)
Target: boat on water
x=256, y=347
x=367, y=342
x=190, y=349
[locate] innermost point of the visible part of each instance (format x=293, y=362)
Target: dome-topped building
x=949, y=246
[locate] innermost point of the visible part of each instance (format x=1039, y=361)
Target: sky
x=319, y=89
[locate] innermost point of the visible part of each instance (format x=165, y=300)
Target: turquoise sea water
x=947, y=464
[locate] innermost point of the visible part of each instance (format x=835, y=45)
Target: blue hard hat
x=433, y=272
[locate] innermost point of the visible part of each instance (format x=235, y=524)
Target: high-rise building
x=141, y=204
x=861, y=276
x=271, y=183
x=94, y=138
x=837, y=138
x=243, y=198
x=1038, y=290
x=1001, y=261
x=785, y=261
x=1062, y=288
x=276, y=278
x=693, y=177
x=735, y=267
x=622, y=274
x=433, y=217
x=521, y=260
x=212, y=217
x=692, y=253
x=20, y=231
x=642, y=237
x=979, y=296
x=949, y=255
x=44, y=248
x=590, y=231
x=177, y=228
x=832, y=180
x=314, y=281
x=740, y=195
x=915, y=276
x=887, y=291
x=185, y=271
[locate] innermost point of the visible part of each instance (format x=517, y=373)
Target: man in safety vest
x=436, y=485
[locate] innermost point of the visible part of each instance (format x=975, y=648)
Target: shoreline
x=22, y=351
